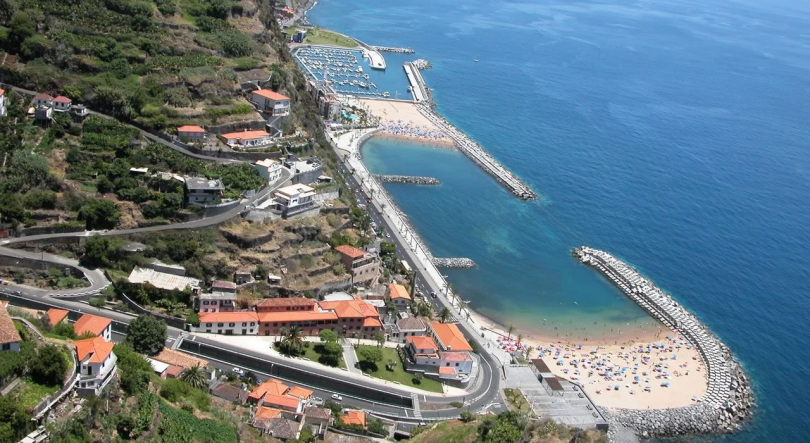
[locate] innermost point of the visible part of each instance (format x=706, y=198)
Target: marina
x=728, y=399
x=342, y=70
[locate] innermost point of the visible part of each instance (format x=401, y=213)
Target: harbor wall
x=728, y=401
x=410, y=179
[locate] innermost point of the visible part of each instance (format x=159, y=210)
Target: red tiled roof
x=228, y=317
x=396, y=291
x=266, y=93
x=350, y=251
x=447, y=370
x=282, y=401
x=173, y=371
x=91, y=323
x=96, y=348
x=369, y=322
x=245, y=135
x=177, y=358
x=265, y=413
x=354, y=418
x=61, y=99
x=271, y=386
x=297, y=391
x=8, y=332
x=351, y=308
x=56, y=315
x=450, y=336
x=190, y=128
x=455, y=356
x=42, y=96
x=2, y=91
x=421, y=342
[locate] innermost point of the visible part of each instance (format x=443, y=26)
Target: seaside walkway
x=418, y=87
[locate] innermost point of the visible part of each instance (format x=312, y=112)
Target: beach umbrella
x=616, y=387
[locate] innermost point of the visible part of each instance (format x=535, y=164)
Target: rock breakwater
x=414, y=180
x=421, y=64
x=393, y=49
x=728, y=401
x=458, y=262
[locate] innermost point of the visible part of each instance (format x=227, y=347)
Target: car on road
x=16, y=292
x=316, y=401
x=432, y=294
x=337, y=397
x=238, y=372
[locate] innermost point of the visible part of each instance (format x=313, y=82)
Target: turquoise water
x=673, y=134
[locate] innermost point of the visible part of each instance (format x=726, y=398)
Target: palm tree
x=444, y=315
x=291, y=341
x=379, y=338
x=519, y=338
x=194, y=376
x=510, y=330
x=529, y=350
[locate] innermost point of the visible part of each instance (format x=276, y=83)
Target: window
x=220, y=324
x=275, y=324
x=231, y=324
x=456, y=364
x=447, y=364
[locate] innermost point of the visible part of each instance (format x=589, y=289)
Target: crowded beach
x=402, y=120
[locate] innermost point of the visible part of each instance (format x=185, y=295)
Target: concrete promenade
x=348, y=146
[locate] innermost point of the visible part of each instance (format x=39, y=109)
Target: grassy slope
x=320, y=36
x=399, y=374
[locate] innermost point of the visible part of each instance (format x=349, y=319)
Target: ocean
x=673, y=134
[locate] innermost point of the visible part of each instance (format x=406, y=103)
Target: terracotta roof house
x=191, y=133
x=93, y=324
x=399, y=295
x=55, y=316
x=97, y=362
x=283, y=402
x=61, y=103
x=449, y=337
x=408, y=326
x=271, y=102
x=280, y=428
x=228, y=323
x=271, y=386
x=299, y=392
x=352, y=417
x=285, y=304
x=266, y=413
x=363, y=266
x=9, y=337
x=247, y=139
x=224, y=286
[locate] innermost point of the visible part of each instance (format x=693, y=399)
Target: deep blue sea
x=674, y=134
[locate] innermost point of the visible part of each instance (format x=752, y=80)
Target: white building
x=247, y=139
x=399, y=296
x=96, y=364
x=269, y=169
x=61, y=103
x=163, y=280
x=271, y=102
x=43, y=100
x=408, y=327
x=217, y=301
x=294, y=199
x=228, y=323
x=100, y=327
x=3, y=101
x=424, y=352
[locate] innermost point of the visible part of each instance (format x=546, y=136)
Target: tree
x=509, y=330
x=328, y=336
x=49, y=366
x=379, y=338
x=99, y=214
x=64, y=329
x=146, y=334
x=519, y=338
x=11, y=207
x=194, y=376
x=20, y=28
x=330, y=353
x=417, y=378
x=370, y=354
x=291, y=341
x=375, y=425
x=444, y=315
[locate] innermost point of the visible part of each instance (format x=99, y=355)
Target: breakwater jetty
x=417, y=84
x=393, y=49
x=458, y=263
x=421, y=64
x=410, y=179
x=478, y=155
x=728, y=401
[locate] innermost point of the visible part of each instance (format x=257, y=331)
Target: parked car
x=337, y=397
x=239, y=372
x=316, y=401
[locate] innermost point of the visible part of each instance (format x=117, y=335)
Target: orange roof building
x=449, y=337
x=283, y=402
x=246, y=138
x=302, y=393
x=234, y=323
x=422, y=345
x=190, y=129
x=93, y=324
x=9, y=337
x=97, y=364
x=55, y=316
x=266, y=413
x=350, y=251
x=271, y=386
x=399, y=295
x=363, y=266
x=352, y=417
x=268, y=94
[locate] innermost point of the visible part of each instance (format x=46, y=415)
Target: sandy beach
x=656, y=356
x=401, y=120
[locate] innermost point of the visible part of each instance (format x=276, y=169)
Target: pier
x=417, y=83
x=478, y=155
x=458, y=263
x=393, y=49
x=414, y=180
x=728, y=399
x=421, y=64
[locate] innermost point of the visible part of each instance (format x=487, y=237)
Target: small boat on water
x=476, y=60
